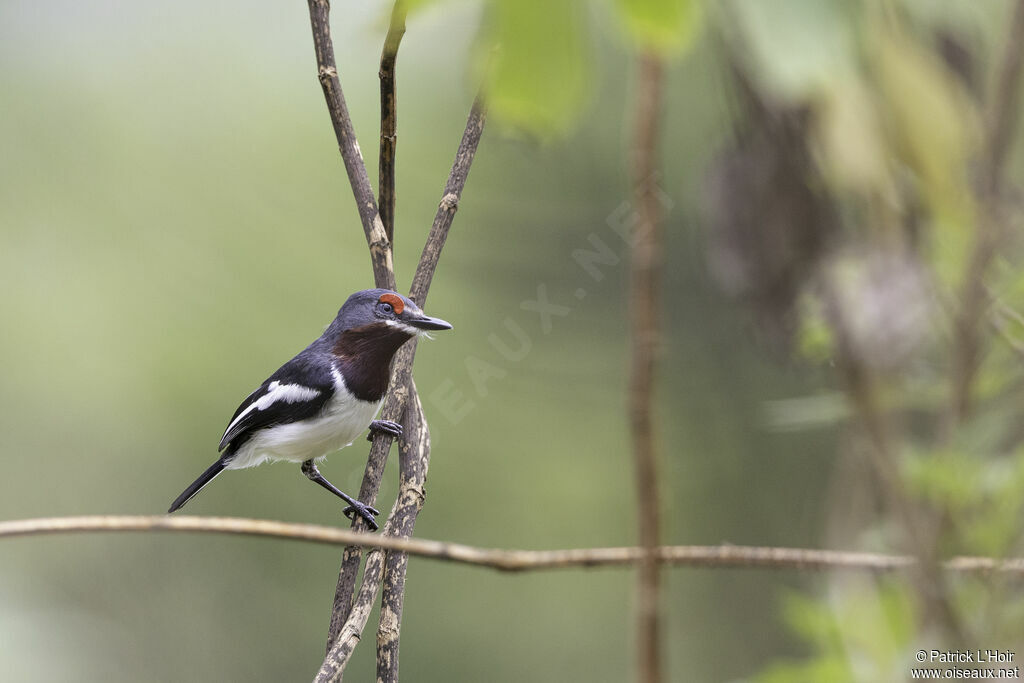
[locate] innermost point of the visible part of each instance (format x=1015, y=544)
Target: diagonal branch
x=327, y=69
x=732, y=556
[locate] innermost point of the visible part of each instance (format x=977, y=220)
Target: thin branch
x=327, y=69
x=333, y=666
x=701, y=556
x=414, y=461
x=644, y=308
x=1001, y=123
x=389, y=119
x=400, y=395
x=386, y=569
x=394, y=407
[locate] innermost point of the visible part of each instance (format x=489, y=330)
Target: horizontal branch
x=734, y=556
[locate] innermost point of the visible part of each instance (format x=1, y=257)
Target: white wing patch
x=289, y=393
x=343, y=419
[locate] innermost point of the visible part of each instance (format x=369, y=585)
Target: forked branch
x=347, y=615
x=401, y=395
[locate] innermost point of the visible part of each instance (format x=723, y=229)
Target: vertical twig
x=376, y=238
x=644, y=308
x=389, y=119
x=1001, y=121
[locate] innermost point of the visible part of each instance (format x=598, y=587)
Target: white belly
x=344, y=418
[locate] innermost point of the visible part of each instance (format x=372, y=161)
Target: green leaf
x=665, y=26
x=539, y=70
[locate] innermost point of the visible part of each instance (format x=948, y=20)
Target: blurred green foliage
x=889, y=101
x=539, y=72
x=863, y=635
x=662, y=25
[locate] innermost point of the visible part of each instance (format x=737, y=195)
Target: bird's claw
x=385, y=426
x=367, y=512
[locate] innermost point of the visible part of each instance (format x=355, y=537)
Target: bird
x=324, y=397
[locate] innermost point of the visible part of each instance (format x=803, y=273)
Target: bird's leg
x=386, y=426
x=354, y=506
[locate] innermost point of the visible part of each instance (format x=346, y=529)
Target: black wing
x=297, y=391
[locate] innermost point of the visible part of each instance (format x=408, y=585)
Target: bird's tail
x=193, y=488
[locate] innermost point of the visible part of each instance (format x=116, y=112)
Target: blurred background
x=175, y=223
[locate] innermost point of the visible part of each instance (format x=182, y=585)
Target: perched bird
x=325, y=397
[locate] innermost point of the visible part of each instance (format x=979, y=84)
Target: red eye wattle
x=396, y=302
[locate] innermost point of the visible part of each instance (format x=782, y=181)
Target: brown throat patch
x=364, y=354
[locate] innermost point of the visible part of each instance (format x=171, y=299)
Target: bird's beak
x=425, y=322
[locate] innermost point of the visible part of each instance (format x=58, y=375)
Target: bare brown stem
x=327, y=69
x=734, y=556
x=389, y=119
x=393, y=409
x=644, y=303
x=414, y=461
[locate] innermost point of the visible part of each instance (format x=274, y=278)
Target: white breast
x=342, y=420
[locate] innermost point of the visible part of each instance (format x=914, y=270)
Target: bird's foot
x=367, y=512
x=385, y=426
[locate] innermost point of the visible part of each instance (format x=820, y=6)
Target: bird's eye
x=385, y=307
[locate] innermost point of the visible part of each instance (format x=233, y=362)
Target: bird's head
x=386, y=311
x=369, y=329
